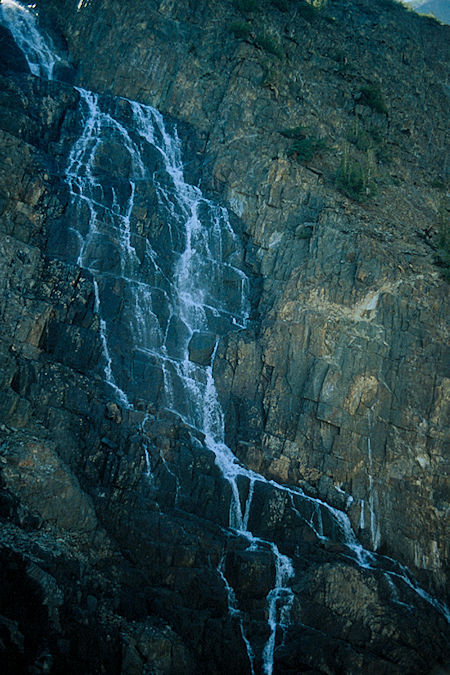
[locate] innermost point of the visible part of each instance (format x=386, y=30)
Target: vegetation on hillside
x=305, y=144
x=372, y=142
x=443, y=238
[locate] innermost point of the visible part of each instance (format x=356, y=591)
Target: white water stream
x=197, y=294
x=39, y=51
x=168, y=300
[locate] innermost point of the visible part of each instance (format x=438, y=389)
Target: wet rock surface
x=353, y=309
x=115, y=549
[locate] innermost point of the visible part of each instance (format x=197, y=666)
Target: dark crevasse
x=165, y=294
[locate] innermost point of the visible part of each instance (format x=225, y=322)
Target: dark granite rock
x=201, y=347
x=11, y=57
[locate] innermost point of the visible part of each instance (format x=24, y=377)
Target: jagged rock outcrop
x=337, y=386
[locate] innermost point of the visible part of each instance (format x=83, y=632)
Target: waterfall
x=235, y=612
x=38, y=50
x=159, y=292
x=375, y=532
x=204, y=289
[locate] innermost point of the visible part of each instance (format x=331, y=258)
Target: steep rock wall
x=349, y=362
x=308, y=392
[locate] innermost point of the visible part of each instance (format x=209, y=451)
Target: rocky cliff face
x=324, y=135
x=436, y=8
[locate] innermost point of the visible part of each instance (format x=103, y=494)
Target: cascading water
x=159, y=292
x=39, y=51
x=206, y=290
x=373, y=496
x=197, y=292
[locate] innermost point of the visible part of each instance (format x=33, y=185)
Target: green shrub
x=282, y=5
x=306, y=10
x=270, y=43
x=372, y=96
x=390, y=4
x=443, y=239
x=304, y=149
x=245, y=5
x=299, y=133
x=383, y=153
x=305, y=144
x=353, y=178
x=240, y=29
x=305, y=233
x=438, y=183
x=345, y=66
x=368, y=138
x=375, y=132
x=359, y=137
x=340, y=56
